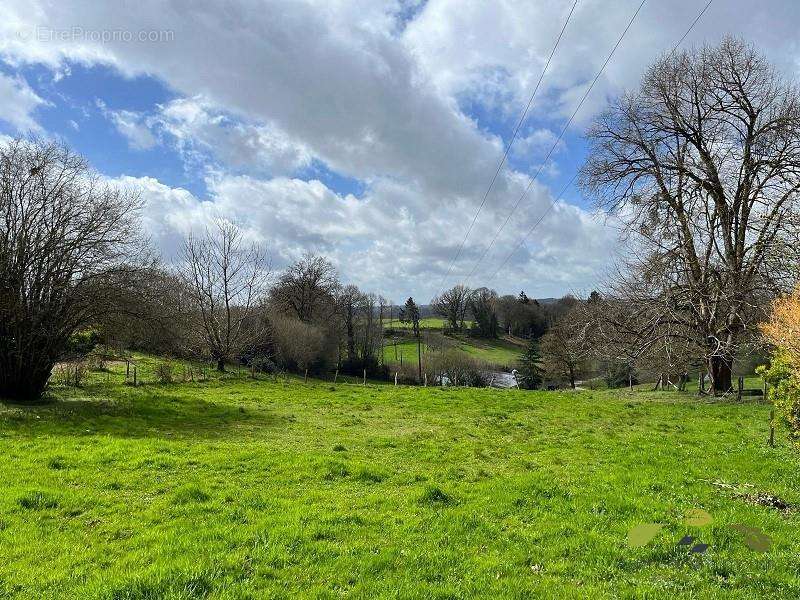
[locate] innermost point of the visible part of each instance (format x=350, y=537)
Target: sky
x=367, y=131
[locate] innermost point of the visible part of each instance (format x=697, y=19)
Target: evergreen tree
x=530, y=374
x=410, y=314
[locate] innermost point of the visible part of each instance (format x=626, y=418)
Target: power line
x=508, y=146
x=555, y=144
x=574, y=176
x=535, y=225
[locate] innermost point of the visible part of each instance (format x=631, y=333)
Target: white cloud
x=200, y=128
x=281, y=82
x=384, y=241
x=18, y=103
x=134, y=128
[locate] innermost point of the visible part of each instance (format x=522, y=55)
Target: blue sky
x=363, y=130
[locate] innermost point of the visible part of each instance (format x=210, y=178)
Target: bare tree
x=482, y=304
x=227, y=279
x=349, y=299
x=308, y=289
x=566, y=347
x=68, y=244
x=452, y=305
x=702, y=167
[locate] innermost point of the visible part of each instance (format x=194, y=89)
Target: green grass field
x=499, y=352
x=234, y=488
x=433, y=323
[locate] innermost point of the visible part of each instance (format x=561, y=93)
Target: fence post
x=739, y=387
x=134, y=375
x=127, y=368
x=772, y=428
x=335, y=376
x=395, y=379
x=365, y=377
x=305, y=377
x=425, y=376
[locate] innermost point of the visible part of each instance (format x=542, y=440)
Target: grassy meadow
x=502, y=353
x=234, y=488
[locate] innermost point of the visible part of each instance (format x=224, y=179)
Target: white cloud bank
x=275, y=85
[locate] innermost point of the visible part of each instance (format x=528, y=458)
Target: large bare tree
x=452, y=305
x=227, y=278
x=307, y=289
x=68, y=243
x=701, y=165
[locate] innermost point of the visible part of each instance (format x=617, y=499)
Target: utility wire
x=508, y=147
x=555, y=201
x=555, y=144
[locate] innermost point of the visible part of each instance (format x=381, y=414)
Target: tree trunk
x=24, y=384
x=419, y=358
x=720, y=370
x=220, y=365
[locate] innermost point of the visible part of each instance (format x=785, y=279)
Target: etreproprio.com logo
x=101, y=36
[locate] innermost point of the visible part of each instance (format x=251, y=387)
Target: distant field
x=499, y=352
x=427, y=323
x=233, y=489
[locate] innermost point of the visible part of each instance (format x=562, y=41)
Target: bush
x=83, y=342
x=784, y=388
x=70, y=374
x=453, y=367
x=783, y=373
x=165, y=372
x=619, y=374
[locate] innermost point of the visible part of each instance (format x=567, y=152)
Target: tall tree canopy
x=701, y=165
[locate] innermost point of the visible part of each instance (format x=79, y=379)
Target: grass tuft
x=36, y=500
x=336, y=470
x=56, y=463
x=434, y=496
x=190, y=494
x=369, y=476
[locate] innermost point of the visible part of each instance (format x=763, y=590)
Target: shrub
x=83, y=342
x=165, y=372
x=784, y=388
x=453, y=367
x=70, y=374
x=783, y=373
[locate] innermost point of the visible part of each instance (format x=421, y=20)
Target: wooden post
x=305, y=377
x=630, y=382
x=134, y=375
x=772, y=428
x=365, y=377
x=739, y=387
x=335, y=376
x=127, y=368
x=426, y=379
x=395, y=379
